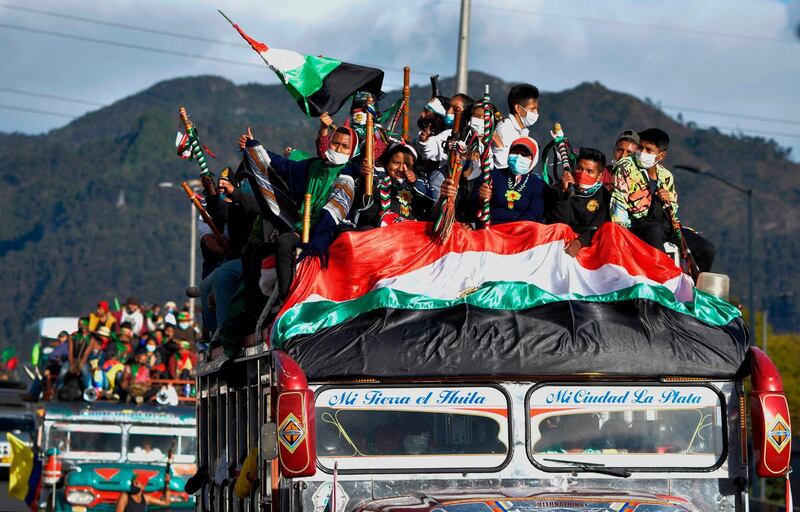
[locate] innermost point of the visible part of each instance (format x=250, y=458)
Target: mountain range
x=84, y=218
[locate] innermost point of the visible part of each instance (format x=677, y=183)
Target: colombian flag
x=25, y=474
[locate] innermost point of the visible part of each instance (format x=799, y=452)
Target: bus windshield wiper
x=593, y=467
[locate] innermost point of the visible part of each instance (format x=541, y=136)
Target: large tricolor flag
x=511, y=289
x=318, y=84
x=24, y=473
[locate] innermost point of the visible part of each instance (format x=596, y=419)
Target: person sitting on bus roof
x=627, y=144
x=331, y=183
x=102, y=317
x=523, y=106
x=516, y=193
x=132, y=314
x=432, y=148
x=155, y=358
x=358, y=122
x=585, y=208
x=643, y=192
x=399, y=194
x=182, y=363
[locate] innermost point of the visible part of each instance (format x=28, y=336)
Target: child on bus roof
x=587, y=208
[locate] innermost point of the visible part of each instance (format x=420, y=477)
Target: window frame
x=421, y=470
x=635, y=469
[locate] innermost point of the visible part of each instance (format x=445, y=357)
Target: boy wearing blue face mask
x=523, y=106
x=643, y=192
x=516, y=193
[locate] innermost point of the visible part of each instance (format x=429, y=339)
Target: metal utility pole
x=751, y=297
x=192, y=258
x=462, y=68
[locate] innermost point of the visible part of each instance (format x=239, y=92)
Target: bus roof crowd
x=257, y=257
x=119, y=354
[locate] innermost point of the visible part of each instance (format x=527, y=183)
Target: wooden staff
x=444, y=223
x=203, y=213
x=306, y=218
x=368, y=159
x=406, y=99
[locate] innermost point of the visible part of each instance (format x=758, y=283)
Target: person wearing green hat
x=185, y=330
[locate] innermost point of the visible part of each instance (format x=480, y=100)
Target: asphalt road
x=10, y=504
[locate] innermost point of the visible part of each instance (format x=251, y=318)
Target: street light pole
x=462, y=67
x=751, y=299
x=192, y=257
x=196, y=186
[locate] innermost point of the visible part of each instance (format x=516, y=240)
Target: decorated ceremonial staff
x=406, y=100
x=368, y=160
x=191, y=141
x=686, y=253
x=561, y=145
x=485, y=216
x=456, y=149
x=195, y=199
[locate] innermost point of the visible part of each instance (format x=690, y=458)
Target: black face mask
x=135, y=489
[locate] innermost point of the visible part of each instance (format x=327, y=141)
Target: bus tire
x=255, y=491
x=224, y=502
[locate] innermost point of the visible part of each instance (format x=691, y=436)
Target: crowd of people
x=259, y=207
x=119, y=354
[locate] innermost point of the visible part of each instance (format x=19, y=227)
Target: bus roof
x=51, y=326
x=120, y=413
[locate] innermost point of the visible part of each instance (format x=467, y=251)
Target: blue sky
x=741, y=58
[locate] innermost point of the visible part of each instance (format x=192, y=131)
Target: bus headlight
x=80, y=497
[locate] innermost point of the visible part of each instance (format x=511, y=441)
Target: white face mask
x=477, y=124
x=335, y=157
x=529, y=119
x=646, y=160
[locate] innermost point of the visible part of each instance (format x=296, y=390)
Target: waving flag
x=318, y=84
x=25, y=472
x=508, y=301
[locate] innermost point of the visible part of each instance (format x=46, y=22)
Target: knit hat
x=170, y=305
x=531, y=146
x=103, y=332
x=103, y=304
x=183, y=316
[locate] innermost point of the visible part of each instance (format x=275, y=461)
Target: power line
x=746, y=131
x=661, y=28
x=152, y=31
x=726, y=114
x=122, y=25
x=129, y=46
x=51, y=97
x=37, y=111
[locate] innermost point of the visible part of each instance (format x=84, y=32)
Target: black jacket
x=584, y=214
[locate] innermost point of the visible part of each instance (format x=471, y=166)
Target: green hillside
x=65, y=242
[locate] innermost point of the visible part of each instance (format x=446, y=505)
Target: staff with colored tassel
x=306, y=235
x=193, y=142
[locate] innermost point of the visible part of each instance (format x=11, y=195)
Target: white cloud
x=541, y=41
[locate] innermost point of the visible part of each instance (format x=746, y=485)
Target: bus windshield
x=86, y=441
x=643, y=427
x=410, y=428
x=152, y=444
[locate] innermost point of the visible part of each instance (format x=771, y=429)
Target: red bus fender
x=296, y=419
x=769, y=412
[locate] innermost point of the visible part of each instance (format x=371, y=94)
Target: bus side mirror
x=296, y=419
x=769, y=412
x=269, y=441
